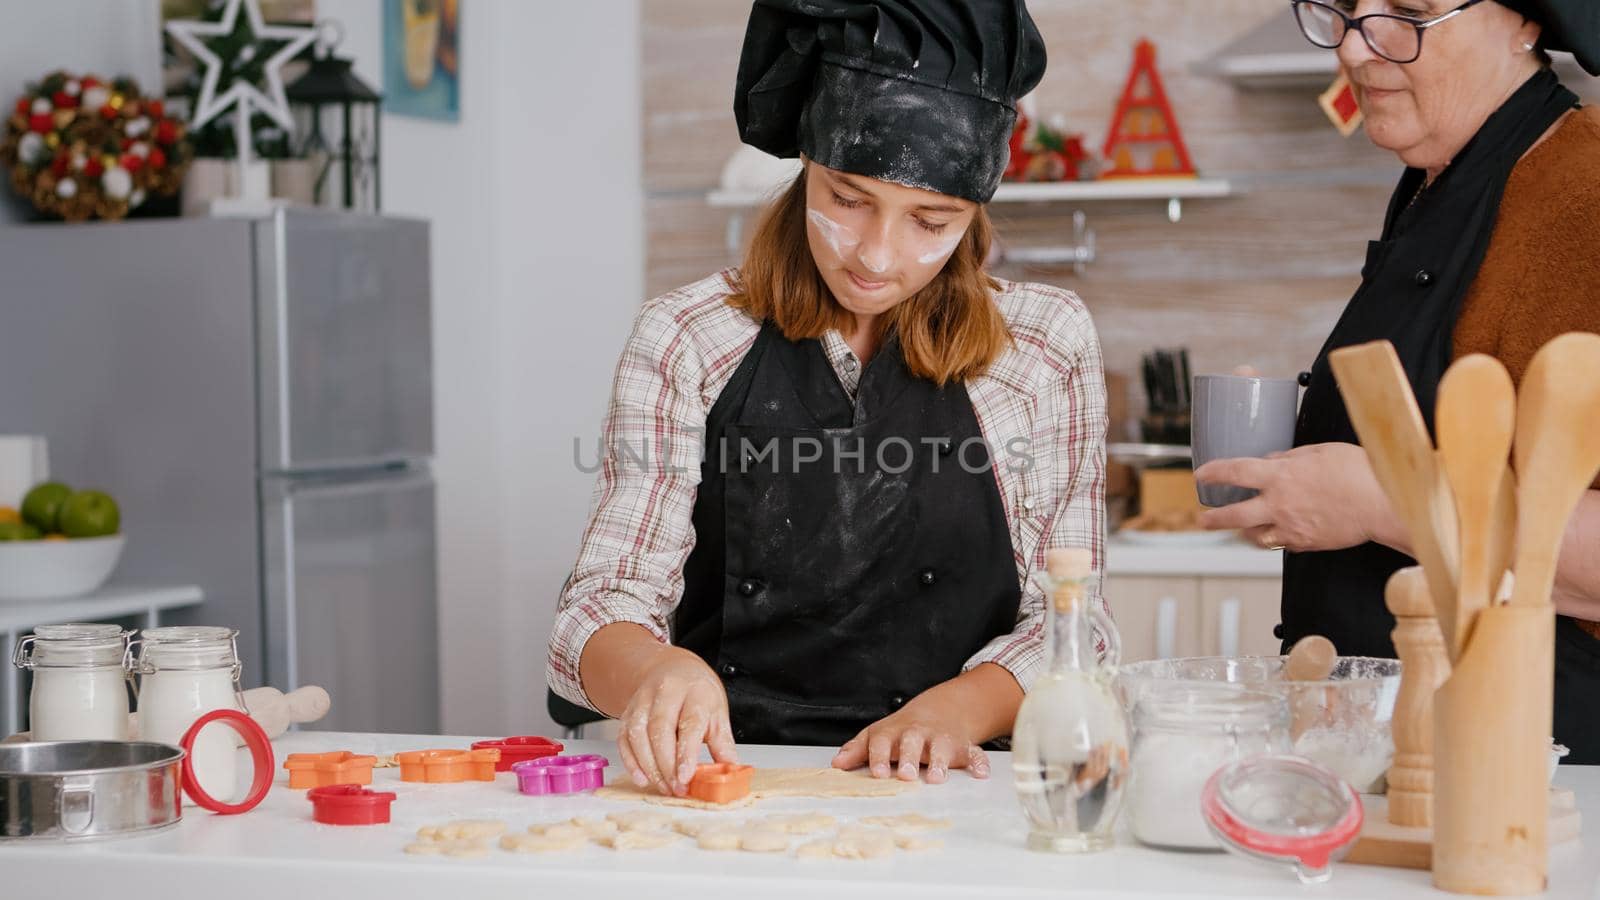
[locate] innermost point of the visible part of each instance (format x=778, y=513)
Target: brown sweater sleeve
x=1541, y=275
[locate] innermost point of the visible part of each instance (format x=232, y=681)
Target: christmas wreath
x=80, y=148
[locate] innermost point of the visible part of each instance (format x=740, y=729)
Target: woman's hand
x=678, y=705
x=1318, y=497
x=930, y=729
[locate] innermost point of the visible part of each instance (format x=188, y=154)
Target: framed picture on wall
x=422, y=58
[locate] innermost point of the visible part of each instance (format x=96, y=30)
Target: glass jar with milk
x=184, y=673
x=80, y=682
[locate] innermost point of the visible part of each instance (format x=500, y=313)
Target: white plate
x=49, y=570
x=1177, y=538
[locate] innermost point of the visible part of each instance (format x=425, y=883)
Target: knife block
x=1492, y=722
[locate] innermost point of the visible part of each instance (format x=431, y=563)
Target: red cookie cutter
x=260, y=753
x=313, y=770
x=349, y=804
x=447, y=766
x=720, y=782
x=520, y=749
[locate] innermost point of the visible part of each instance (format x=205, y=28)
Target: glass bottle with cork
x=1070, y=742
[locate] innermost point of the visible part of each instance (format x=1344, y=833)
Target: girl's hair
x=949, y=330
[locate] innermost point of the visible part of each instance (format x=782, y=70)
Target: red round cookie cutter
x=349, y=804
x=260, y=753
x=520, y=749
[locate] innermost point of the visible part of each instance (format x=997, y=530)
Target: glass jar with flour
x=1182, y=735
x=80, y=682
x=184, y=673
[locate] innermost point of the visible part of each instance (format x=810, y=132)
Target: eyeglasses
x=1395, y=38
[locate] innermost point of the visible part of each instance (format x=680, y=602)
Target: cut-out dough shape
x=641, y=820
x=461, y=849
x=465, y=829
x=639, y=840
x=909, y=822
x=541, y=843
x=719, y=839
x=760, y=840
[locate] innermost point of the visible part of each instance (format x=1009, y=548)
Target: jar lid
x=80, y=632
x=1211, y=707
x=187, y=647
x=1283, y=809
x=187, y=634
x=75, y=645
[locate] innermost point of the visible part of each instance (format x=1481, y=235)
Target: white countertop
x=1231, y=558
x=276, y=852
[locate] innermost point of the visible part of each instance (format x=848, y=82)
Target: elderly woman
x=1488, y=247
x=892, y=438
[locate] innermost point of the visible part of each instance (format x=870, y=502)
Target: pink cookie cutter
x=560, y=774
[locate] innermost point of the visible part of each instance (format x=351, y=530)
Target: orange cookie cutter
x=312, y=770
x=447, y=766
x=720, y=782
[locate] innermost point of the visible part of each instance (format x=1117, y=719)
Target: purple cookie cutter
x=560, y=774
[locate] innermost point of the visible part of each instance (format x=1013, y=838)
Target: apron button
x=927, y=576
x=747, y=588
x=729, y=670
x=1277, y=631
x=897, y=701
x=738, y=734
x=946, y=447
x=1305, y=379
x=1423, y=278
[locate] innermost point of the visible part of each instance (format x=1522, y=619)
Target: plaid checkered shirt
x=1046, y=392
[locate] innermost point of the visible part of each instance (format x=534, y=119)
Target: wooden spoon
x=1558, y=454
x=1476, y=421
x=1384, y=411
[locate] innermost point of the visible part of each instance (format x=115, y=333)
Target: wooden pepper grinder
x=1424, y=667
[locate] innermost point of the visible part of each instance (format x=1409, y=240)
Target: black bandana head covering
x=918, y=92
x=1570, y=26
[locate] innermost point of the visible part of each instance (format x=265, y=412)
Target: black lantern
x=337, y=124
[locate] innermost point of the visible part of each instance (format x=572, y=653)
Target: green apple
x=42, y=507
x=18, y=531
x=88, y=514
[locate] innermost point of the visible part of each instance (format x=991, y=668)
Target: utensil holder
x=1492, y=722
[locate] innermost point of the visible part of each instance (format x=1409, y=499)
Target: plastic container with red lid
x=1283, y=809
x=349, y=804
x=520, y=749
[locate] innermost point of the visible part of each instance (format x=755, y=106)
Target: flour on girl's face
x=837, y=236
x=942, y=251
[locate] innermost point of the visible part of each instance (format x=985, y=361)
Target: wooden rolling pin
x=1424, y=666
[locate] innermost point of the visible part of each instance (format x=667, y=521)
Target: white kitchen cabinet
x=1237, y=616
x=1164, y=616
x=1157, y=617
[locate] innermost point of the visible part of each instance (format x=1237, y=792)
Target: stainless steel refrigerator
x=257, y=394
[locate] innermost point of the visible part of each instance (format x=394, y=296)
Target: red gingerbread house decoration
x=1144, y=139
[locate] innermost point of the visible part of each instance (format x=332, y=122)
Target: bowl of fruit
x=61, y=543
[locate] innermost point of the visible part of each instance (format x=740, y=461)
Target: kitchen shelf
x=1173, y=190
x=115, y=602
x=1276, y=55
x=1047, y=192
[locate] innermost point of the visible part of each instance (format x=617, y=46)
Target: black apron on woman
x=848, y=556
x=1411, y=292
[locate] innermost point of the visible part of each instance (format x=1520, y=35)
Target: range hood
x=1276, y=55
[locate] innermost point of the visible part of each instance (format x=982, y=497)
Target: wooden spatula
x=1558, y=454
x=1384, y=411
x=1475, y=423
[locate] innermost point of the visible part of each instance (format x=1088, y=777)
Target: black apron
x=845, y=558
x=1412, y=286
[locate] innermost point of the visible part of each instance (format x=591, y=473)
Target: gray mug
x=1237, y=416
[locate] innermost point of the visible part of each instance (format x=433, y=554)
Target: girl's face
x=877, y=243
